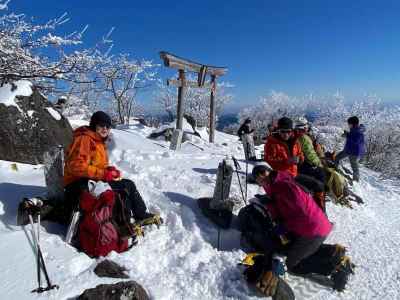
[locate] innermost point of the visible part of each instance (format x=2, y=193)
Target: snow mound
x=55, y=114
x=8, y=92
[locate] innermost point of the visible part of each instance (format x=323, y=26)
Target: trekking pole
x=247, y=169
x=222, y=198
x=37, y=254
x=237, y=167
x=40, y=260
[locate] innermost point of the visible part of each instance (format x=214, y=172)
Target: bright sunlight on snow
x=180, y=260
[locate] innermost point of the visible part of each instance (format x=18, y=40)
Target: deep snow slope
x=180, y=260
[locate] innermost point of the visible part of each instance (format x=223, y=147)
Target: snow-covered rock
x=29, y=125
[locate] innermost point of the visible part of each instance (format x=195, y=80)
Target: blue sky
x=293, y=46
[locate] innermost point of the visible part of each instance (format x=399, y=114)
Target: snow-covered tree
x=37, y=52
x=329, y=115
x=123, y=78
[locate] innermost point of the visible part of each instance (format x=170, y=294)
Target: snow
x=55, y=114
x=180, y=260
x=7, y=94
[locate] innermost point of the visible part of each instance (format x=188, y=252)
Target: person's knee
x=128, y=184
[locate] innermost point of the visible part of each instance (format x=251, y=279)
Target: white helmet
x=301, y=123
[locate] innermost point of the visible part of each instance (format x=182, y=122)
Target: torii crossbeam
x=185, y=65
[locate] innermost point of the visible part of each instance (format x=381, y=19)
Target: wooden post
x=181, y=92
x=212, y=108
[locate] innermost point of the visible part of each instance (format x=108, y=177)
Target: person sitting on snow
x=312, y=165
x=306, y=226
x=87, y=159
x=282, y=151
x=354, y=147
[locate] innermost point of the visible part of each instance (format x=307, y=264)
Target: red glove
x=111, y=173
x=107, y=197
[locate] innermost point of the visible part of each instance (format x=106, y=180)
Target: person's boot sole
x=283, y=291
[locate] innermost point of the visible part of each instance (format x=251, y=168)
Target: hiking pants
x=61, y=211
x=353, y=162
x=323, y=262
x=134, y=200
x=300, y=249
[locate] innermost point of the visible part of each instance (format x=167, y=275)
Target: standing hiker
x=245, y=128
x=354, y=147
x=245, y=135
x=282, y=151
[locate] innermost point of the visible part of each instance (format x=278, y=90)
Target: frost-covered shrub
x=329, y=115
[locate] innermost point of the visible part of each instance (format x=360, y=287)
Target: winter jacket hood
x=294, y=208
x=277, y=153
x=86, y=157
x=355, y=144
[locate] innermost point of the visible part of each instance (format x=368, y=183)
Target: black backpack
x=257, y=228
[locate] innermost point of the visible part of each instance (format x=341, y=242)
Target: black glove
x=264, y=199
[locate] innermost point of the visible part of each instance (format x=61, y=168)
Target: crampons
x=341, y=275
x=152, y=219
x=340, y=250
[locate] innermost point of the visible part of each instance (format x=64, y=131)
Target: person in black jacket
x=245, y=128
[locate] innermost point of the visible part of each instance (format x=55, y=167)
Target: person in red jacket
x=282, y=151
x=305, y=224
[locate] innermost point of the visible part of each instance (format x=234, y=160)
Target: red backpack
x=97, y=234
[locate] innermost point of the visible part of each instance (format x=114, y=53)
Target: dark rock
x=108, y=268
x=25, y=136
x=166, y=134
x=192, y=121
x=143, y=122
x=127, y=290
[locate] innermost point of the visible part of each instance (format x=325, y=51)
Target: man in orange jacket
x=86, y=158
x=282, y=151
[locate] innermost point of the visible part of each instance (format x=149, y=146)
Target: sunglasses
x=285, y=130
x=108, y=126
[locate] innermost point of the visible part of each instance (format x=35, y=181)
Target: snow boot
x=28, y=206
x=341, y=274
x=137, y=229
x=283, y=291
x=150, y=219
x=264, y=280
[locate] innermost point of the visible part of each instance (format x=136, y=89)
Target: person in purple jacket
x=354, y=147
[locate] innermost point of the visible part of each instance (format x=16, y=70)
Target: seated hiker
x=354, y=147
x=305, y=225
x=245, y=128
x=282, y=151
x=86, y=159
x=312, y=165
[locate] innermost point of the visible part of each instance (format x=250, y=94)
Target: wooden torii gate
x=185, y=65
